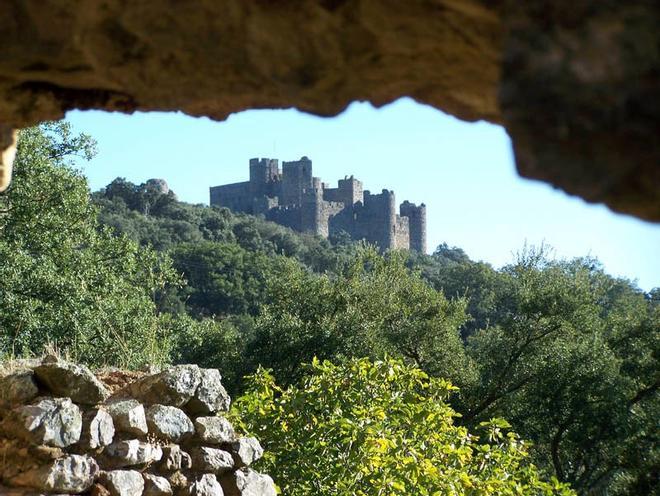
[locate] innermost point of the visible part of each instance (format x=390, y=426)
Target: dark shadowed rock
x=132, y=452
x=247, y=482
x=72, y=380
x=215, y=430
x=18, y=388
x=169, y=422
x=246, y=450
x=123, y=482
x=128, y=416
x=50, y=421
x=210, y=396
x=155, y=485
x=72, y=474
x=174, y=386
x=174, y=458
x=212, y=460
x=206, y=485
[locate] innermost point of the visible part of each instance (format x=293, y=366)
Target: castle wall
x=236, y=197
x=402, y=233
x=263, y=204
x=289, y=216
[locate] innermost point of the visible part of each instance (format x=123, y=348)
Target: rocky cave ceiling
x=575, y=83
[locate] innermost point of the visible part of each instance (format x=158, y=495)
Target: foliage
x=212, y=343
x=372, y=308
x=565, y=352
x=373, y=428
x=571, y=361
x=63, y=280
x=223, y=278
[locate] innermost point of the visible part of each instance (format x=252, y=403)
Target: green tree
x=374, y=428
x=374, y=307
x=571, y=361
x=222, y=278
x=63, y=280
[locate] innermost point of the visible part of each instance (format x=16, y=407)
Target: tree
x=64, y=281
x=374, y=307
x=372, y=428
x=222, y=278
x=571, y=361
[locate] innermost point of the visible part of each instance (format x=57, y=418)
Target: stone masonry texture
x=293, y=197
x=158, y=435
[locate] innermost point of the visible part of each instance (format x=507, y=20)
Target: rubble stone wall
x=63, y=431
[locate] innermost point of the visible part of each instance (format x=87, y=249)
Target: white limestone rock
x=98, y=429
x=132, y=452
x=123, y=482
x=215, y=430
x=169, y=422
x=212, y=460
x=174, y=386
x=247, y=482
x=50, y=421
x=72, y=380
x=210, y=396
x=155, y=485
x=206, y=485
x=72, y=474
x=128, y=416
x=246, y=451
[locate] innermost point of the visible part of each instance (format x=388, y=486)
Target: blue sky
x=463, y=172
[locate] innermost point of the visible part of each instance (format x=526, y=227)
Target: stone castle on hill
x=293, y=197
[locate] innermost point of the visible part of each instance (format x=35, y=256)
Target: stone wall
x=63, y=431
x=401, y=233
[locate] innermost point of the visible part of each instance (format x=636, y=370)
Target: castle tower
x=379, y=219
x=297, y=179
x=350, y=191
x=417, y=224
x=262, y=172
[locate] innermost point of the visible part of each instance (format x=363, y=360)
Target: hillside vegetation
x=129, y=276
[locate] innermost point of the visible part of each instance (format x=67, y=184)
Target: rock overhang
x=575, y=84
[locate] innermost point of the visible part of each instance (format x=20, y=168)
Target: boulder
x=18, y=388
x=50, y=421
x=174, y=458
x=71, y=474
x=169, y=422
x=131, y=453
x=98, y=429
x=155, y=485
x=210, y=396
x=246, y=451
x=247, y=482
x=128, y=416
x=123, y=482
x=206, y=485
x=72, y=380
x=215, y=430
x=174, y=386
x=212, y=460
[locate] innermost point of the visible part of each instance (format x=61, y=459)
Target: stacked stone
x=63, y=433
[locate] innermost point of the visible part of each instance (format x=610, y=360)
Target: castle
x=293, y=197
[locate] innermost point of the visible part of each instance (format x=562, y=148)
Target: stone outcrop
x=70, y=436
x=575, y=83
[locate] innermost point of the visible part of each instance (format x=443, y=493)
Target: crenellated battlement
x=293, y=197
